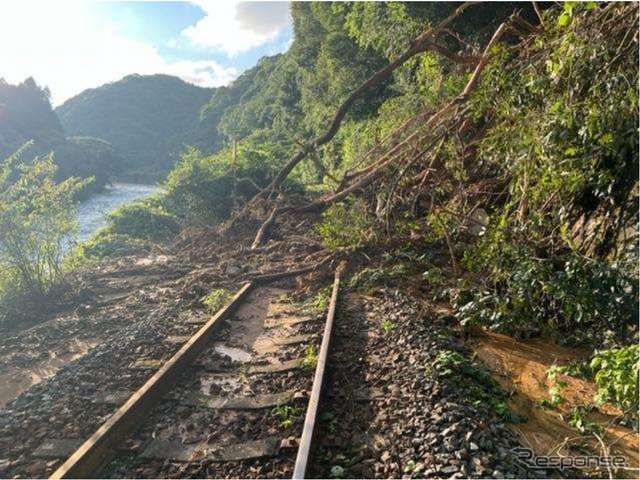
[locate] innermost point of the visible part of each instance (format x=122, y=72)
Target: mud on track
x=228, y=400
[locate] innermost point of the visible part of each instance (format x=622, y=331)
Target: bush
x=205, y=189
x=367, y=278
x=36, y=220
x=616, y=376
x=145, y=219
x=346, y=225
x=580, y=297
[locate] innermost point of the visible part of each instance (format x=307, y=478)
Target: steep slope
x=26, y=115
x=148, y=119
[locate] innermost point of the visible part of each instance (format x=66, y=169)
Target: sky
x=70, y=46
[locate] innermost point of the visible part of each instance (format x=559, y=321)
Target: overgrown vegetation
x=36, y=220
x=132, y=228
x=616, y=376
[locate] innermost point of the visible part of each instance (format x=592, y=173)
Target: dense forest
x=486, y=152
x=26, y=115
x=148, y=119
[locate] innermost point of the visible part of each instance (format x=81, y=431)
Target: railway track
x=229, y=402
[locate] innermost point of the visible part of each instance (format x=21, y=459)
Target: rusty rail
x=304, y=449
x=86, y=461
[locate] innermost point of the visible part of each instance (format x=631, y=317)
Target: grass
x=216, y=299
x=310, y=358
x=286, y=415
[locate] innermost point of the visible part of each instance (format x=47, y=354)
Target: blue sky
x=72, y=45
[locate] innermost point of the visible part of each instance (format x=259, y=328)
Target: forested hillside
x=498, y=155
x=148, y=119
x=26, y=115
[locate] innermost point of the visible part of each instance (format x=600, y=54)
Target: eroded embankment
x=521, y=366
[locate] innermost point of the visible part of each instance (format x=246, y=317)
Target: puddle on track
x=15, y=380
x=234, y=353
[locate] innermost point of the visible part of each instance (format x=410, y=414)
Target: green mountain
x=26, y=115
x=148, y=119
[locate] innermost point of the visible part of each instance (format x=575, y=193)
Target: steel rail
x=304, y=450
x=86, y=461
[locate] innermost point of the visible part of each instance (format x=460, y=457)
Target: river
x=92, y=212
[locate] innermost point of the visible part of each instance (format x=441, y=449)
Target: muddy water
x=15, y=380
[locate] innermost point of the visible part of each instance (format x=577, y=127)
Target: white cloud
x=236, y=27
x=65, y=47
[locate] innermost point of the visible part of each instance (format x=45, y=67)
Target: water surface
x=92, y=213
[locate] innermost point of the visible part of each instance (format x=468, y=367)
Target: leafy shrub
x=207, y=188
x=36, y=220
x=216, y=299
x=616, y=376
x=571, y=294
x=346, y=225
x=143, y=219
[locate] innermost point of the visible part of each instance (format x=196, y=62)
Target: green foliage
x=310, y=357
x=615, y=373
x=555, y=391
x=346, y=225
x=579, y=420
x=216, y=299
x=565, y=130
x=103, y=244
x=320, y=302
x=387, y=326
x=577, y=296
x=206, y=188
x=475, y=380
x=578, y=369
x=286, y=415
x=556, y=257
x=144, y=219
x=36, y=221
x=616, y=376
x=369, y=277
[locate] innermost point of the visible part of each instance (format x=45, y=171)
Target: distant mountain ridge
x=26, y=115
x=149, y=120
